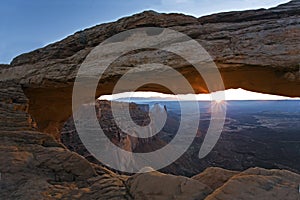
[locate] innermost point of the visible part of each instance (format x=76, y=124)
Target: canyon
x=255, y=134
x=257, y=50
x=140, y=115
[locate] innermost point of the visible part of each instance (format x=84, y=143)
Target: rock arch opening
x=51, y=105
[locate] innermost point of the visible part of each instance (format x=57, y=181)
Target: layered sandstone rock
x=35, y=166
x=215, y=177
x=257, y=183
x=217, y=183
x=255, y=50
x=158, y=186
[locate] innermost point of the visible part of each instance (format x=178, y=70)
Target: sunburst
x=218, y=105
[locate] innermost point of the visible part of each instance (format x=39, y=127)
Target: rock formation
x=35, y=166
x=216, y=183
x=139, y=113
x=256, y=50
x=70, y=137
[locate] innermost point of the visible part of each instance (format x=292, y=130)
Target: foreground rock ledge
x=255, y=50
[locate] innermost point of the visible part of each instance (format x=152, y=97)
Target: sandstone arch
x=254, y=50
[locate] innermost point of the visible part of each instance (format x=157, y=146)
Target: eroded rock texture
x=35, y=166
x=217, y=183
x=255, y=50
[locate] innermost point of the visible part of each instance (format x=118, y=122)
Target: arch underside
x=51, y=107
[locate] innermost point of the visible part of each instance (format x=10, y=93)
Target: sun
x=218, y=105
x=219, y=101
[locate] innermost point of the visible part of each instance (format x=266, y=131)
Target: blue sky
x=30, y=24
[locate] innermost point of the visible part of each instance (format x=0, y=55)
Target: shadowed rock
x=255, y=50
